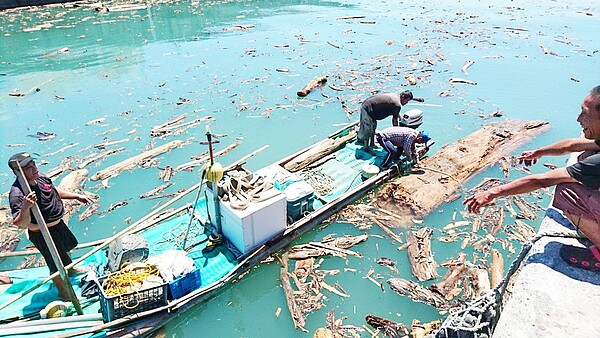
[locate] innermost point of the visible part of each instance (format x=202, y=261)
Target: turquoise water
x=141, y=68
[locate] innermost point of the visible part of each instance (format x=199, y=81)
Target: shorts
x=366, y=131
x=63, y=239
x=576, y=199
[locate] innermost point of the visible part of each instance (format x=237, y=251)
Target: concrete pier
x=551, y=298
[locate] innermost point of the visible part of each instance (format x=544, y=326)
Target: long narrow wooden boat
x=338, y=158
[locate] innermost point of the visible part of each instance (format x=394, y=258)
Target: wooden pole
x=47, y=237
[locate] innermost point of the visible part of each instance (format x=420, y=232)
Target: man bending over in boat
x=49, y=199
x=397, y=140
x=577, y=192
x=378, y=107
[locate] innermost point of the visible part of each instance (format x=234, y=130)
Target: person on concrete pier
x=577, y=192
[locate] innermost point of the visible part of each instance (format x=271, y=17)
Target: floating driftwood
x=448, y=286
x=388, y=327
x=130, y=163
x=317, y=151
x=417, y=293
x=497, y=269
x=99, y=157
x=202, y=160
x=426, y=188
x=176, y=126
x=328, y=246
x=73, y=182
x=9, y=239
x=421, y=260
x=315, y=83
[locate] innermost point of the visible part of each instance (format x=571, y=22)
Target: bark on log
x=73, y=182
x=417, y=293
x=317, y=151
x=388, y=327
x=447, y=286
x=497, y=269
x=421, y=260
x=458, y=161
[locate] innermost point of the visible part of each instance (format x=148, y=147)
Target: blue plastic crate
x=114, y=307
x=185, y=284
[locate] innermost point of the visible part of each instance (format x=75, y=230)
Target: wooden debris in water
x=419, y=330
x=9, y=239
x=203, y=160
x=422, y=264
x=99, y=157
x=313, y=84
x=448, y=286
x=388, y=327
x=497, y=269
x=459, y=160
x=328, y=246
x=130, y=163
x=417, y=293
x=176, y=126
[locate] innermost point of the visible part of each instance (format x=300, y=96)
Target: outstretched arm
x=559, y=148
x=519, y=186
x=67, y=195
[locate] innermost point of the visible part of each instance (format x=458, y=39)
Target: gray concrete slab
x=551, y=298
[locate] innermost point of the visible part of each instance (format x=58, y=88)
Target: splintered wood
x=429, y=186
x=422, y=264
x=308, y=281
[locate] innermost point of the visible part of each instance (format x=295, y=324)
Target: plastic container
x=114, y=307
x=185, y=284
x=300, y=197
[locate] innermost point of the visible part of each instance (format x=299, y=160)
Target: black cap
x=22, y=158
x=407, y=94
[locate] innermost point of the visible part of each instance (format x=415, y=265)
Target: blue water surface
x=240, y=63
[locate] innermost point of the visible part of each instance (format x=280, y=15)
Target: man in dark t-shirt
x=576, y=194
x=49, y=200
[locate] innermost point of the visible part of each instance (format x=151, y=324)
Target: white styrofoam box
x=277, y=174
x=256, y=224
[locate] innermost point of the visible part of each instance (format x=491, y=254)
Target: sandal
x=583, y=258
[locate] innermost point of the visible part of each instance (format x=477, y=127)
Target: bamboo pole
x=131, y=228
x=47, y=237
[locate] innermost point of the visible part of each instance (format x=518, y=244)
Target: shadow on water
x=37, y=36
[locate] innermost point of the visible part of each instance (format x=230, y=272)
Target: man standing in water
x=49, y=199
x=577, y=192
x=378, y=107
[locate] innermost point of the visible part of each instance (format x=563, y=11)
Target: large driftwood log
x=295, y=310
x=443, y=173
x=447, y=287
x=389, y=328
x=328, y=246
x=73, y=182
x=417, y=293
x=317, y=151
x=421, y=260
x=497, y=269
x=315, y=83
x=131, y=162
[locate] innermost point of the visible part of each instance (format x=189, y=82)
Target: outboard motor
x=412, y=118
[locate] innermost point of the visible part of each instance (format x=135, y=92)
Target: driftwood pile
x=304, y=294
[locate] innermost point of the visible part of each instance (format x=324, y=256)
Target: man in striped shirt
x=397, y=140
